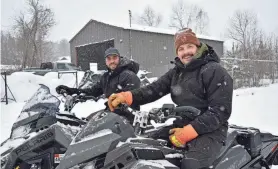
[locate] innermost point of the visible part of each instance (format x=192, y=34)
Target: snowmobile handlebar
x=71, y=100
x=170, y=111
x=167, y=111
x=84, y=98
x=156, y=117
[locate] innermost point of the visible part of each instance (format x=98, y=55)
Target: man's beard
x=113, y=64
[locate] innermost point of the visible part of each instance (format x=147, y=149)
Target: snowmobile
x=42, y=133
x=109, y=141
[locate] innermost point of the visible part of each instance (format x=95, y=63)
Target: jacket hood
x=126, y=64
x=206, y=56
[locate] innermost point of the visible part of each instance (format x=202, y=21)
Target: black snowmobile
x=109, y=141
x=41, y=134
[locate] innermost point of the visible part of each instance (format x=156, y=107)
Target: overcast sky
x=72, y=15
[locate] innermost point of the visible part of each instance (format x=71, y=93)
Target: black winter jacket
x=203, y=84
x=123, y=78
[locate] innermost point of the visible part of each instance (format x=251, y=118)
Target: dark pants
x=203, y=151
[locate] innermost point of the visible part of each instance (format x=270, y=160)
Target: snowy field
x=252, y=107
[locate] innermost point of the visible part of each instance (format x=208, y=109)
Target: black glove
x=68, y=90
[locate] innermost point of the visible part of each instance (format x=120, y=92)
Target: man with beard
x=197, y=80
x=121, y=76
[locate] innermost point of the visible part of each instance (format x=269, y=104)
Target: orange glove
x=115, y=99
x=180, y=136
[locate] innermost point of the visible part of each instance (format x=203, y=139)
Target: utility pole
x=129, y=12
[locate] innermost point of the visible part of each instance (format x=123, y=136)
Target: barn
x=152, y=48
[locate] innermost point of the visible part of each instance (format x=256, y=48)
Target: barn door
x=93, y=53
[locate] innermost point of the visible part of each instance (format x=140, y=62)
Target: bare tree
x=275, y=51
x=33, y=31
x=9, y=52
x=243, y=29
x=202, y=21
x=48, y=52
x=184, y=16
x=149, y=17
x=24, y=36
x=276, y=46
x=255, y=50
x=64, y=48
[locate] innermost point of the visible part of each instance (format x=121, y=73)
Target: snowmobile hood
x=126, y=64
x=102, y=133
x=208, y=55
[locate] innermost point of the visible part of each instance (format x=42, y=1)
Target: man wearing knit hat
x=197, y=80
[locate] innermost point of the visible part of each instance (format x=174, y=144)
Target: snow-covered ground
x=252, y=107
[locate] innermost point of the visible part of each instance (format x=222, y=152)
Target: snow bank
x=24, y=84
x=256, y=107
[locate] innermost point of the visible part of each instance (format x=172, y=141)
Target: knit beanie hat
x=185, y=36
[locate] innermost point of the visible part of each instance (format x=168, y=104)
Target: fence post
x=76, y=76
x=6, y=86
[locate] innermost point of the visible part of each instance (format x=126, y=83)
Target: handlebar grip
x=192, y=110
x=91, y=97
x=63, y=91
x=85, y=98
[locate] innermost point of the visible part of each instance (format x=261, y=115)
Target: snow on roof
x=144, y=28
x=95, y=42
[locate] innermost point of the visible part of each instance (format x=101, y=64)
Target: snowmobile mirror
x=167, y=109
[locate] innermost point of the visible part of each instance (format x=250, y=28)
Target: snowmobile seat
x=242, y=143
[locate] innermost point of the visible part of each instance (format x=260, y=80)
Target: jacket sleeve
x=153, y=91
x=129, y=81
x=218, y=85
x=96, y=90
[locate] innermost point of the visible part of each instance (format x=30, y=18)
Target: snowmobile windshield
x=41, y=102
x=90, y=79
x=21, y=131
